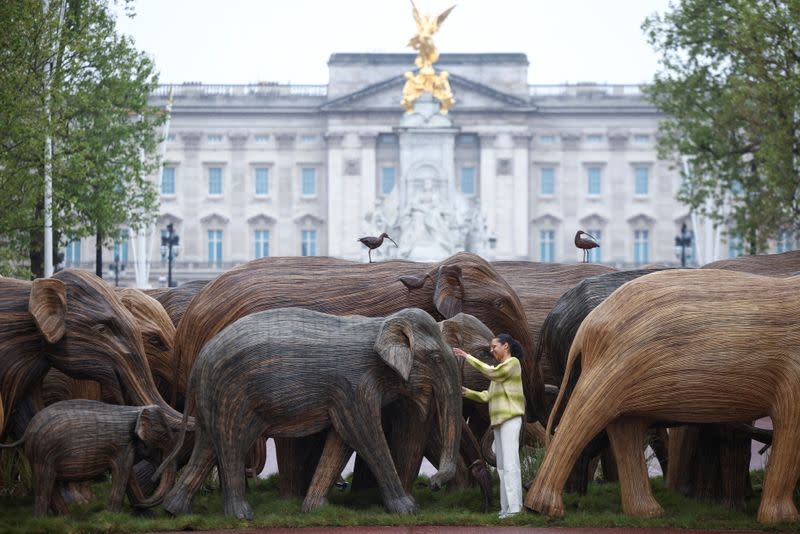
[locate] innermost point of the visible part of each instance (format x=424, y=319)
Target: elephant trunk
x=486, y=447
x=448, y=395
x=164, y=485
x=140, y=390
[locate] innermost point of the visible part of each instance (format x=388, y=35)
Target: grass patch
x=599, y=508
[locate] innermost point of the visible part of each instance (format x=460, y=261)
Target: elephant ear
x=449, y=294
x=151, y=425
x=413, y=282
x=48, y=305
x=395, y=345
x=452, y=330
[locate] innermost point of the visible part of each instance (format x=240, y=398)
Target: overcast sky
x=244, y=41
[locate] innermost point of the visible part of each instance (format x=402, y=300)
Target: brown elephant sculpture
x=539, y=286
x=175, y=300
x=77, y=324
x=462, y=283
x=692, y=346
x=292, y=372
x=78, y=440
x=783, y=264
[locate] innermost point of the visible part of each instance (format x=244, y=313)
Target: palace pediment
x=385, y=95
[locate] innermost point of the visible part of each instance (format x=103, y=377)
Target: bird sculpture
x=374, y=242
x=585, y=243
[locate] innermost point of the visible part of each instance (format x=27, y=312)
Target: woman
x=506, y=407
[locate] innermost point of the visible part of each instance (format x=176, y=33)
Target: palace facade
x=288, y=170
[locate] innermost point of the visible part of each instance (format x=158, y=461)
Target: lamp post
x=117, y=267
x=168, y=242
x=682, y=242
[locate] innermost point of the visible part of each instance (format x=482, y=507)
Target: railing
x=259, y=89
x=586, y=89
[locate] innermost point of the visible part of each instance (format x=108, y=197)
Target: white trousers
x=506, y=449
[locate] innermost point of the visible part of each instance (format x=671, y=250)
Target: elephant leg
x=783, y=468
x=577, y=427
x=256, y=457
x=660, y=444
x=608, y=463
x=627, y=436
x=297, y=460
x=120, y=471
x=179, y=499
x=44, y=482
x=358, y=423
x=232, y=450
x=409, y=435
x=334, y=458
x=57, y=501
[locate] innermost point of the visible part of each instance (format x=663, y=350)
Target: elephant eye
x=436, y=356
x=100, y=328
x=156, y=341
x=498, y=303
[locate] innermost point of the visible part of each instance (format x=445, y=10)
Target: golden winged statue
x=426, y=80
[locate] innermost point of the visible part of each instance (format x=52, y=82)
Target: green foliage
x=599, y=508
x=730, y=87
x=104, y=133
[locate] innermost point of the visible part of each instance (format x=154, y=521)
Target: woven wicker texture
x=100, y=341
x=695, y=346
x=462, y=283
x=783, y=264
x=158, y=337
x=78, y=440
x=176, y=299
x=539, y=286
x=554, y=340
x=293, y=372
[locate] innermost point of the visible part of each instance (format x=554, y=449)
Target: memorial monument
x=429, y=215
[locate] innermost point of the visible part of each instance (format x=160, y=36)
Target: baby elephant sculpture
x=692, y=346
x=79, y=440
x=292, y=372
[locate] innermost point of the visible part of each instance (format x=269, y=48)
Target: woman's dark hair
x=513, y=344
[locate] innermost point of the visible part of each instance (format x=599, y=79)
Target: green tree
x=104, y=133
x=729, y=85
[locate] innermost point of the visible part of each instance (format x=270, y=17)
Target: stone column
x=287, y=242
x=367, y=188
x=488, y=181
x=521, y=218
x=335, y=193
x=192, y=184
x=617, y=190
x=237, y=228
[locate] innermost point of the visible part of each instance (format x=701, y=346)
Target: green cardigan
x=505, y=396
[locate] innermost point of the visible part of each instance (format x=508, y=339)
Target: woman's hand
x=460, y=353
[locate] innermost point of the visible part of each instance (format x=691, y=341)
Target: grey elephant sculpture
x=293, y=372
x=79, y=440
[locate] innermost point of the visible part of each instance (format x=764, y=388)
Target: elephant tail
x=574, y=353
x=17, y=443
x=181, y=437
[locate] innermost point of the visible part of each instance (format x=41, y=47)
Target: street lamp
x=682, y=242
x=116, y=268
x=168, y=242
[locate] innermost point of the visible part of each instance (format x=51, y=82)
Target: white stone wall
x=337, y=135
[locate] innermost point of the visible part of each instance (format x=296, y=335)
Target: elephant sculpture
x=783, y=264
x=555, y=338
x=77, y=324
x=691, y=346
x=79, y=440
x=175, y=300
x=462, y=283
x=158, y=337
x=293, y=372
x=539, y=286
